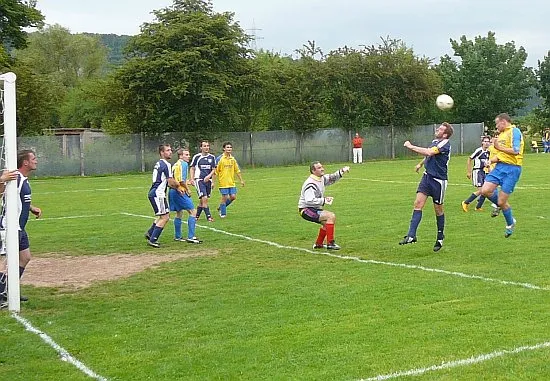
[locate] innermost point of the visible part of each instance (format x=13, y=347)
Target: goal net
x=9, y=252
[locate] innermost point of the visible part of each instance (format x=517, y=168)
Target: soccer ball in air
x=444, y=102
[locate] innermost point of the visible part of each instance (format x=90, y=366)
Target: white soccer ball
x=444, y=102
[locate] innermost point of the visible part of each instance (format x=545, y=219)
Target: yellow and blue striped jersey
x=511, y=137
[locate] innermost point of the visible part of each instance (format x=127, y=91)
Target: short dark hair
x=312, y=166
x=163, y=147
x=227, y=144
x=23, y=155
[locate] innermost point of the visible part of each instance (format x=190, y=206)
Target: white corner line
x=453, y=364
x=63, y=354
x=370, y=261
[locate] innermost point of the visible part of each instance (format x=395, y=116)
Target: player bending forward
x=312, y=200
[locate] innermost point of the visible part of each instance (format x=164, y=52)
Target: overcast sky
x=285, y=25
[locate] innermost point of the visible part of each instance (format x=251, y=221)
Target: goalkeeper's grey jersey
x=313, y=190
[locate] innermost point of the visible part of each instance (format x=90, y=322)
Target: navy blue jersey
x=161, y=172
x=480, y=158
x=203, y=164
x=437, y=165
x=24, y=202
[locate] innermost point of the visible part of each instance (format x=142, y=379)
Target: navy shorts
x=478, y=177
x=23, y=240
x=433, y=187
x=160, y=205
x=203, y=189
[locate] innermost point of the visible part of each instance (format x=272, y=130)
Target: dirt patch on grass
x=80, y=272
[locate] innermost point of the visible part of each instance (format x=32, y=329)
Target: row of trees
x=191, y=70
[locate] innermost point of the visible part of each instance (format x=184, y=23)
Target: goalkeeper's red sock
x=330, y=232
x=321, y=236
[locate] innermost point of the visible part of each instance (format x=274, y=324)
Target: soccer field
x=255, y=302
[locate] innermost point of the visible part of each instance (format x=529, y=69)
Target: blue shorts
x=505, y=175
x=23, y=240
x=228, y=191
x=433, y=187
x=203, y=189
x=180, y=202
x=311, y=214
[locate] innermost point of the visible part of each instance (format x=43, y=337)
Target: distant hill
x=115, y=45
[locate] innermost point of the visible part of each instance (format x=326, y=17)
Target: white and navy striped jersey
x=161, y=173
x=480, y=158
x=437, y=165
x=203, y=164
x=23, y=202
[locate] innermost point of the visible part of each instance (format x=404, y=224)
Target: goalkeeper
x=312, y=200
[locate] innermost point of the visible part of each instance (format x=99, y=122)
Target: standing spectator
x=311, y=202
x=26, y=163
x=357, y=149
x=203, y=167
x=226, y=169
x=162, y=178
x=478, y=161
x=180, y=199
x=433, y=182
x=509, y=160
x=546, y=140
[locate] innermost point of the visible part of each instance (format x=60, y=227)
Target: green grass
x=257, y=311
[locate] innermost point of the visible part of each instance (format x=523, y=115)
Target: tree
x=15, y=15
x=488, y=80
x=64, y=57
x=183, y=69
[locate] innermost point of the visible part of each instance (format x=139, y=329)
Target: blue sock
x=470, y=199
x=150, y=231
x=480, y=202
x=207, y=212
x=228, y=201
x=191, y=222
x=156, y=234
x=508, y=216
x=223, y=209
x=177, y=227
x=415, y=221
x=199, y=210
x=440, y=226
x=494, y=197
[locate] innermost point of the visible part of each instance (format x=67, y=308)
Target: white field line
x=63, y=354
x=464, y=362
x=369, y=261
x=72, y=217
x=94, y=190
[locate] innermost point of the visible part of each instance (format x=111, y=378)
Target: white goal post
x=7, y=85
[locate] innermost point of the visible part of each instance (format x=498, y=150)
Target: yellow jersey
x=511, y=137
x=226, y=170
